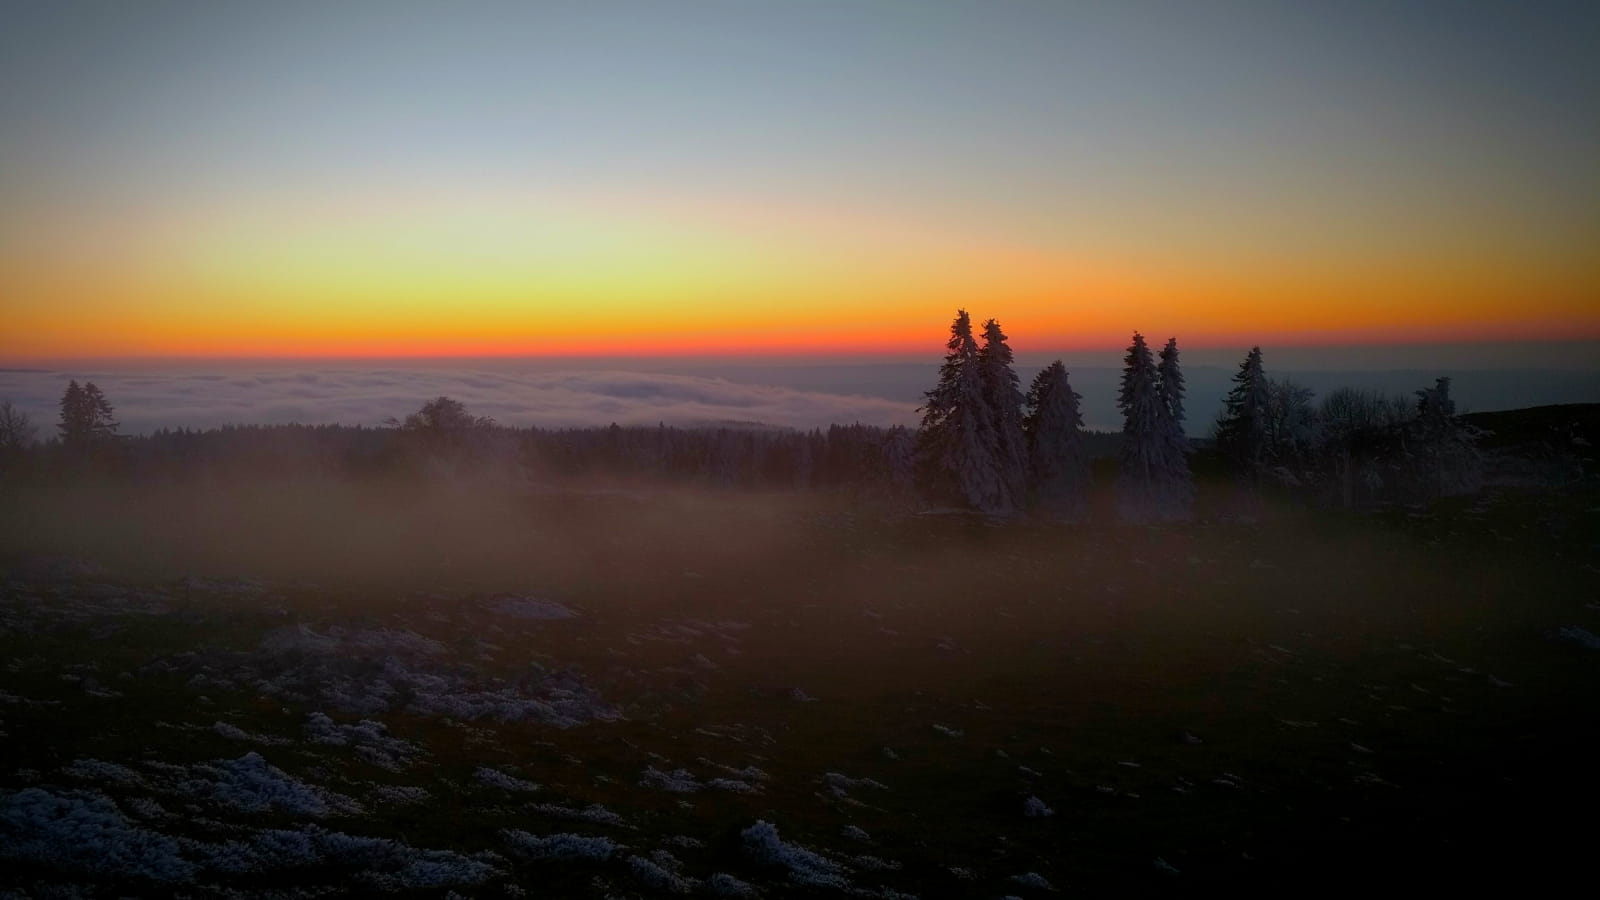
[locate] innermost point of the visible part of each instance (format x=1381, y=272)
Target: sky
x=234, y=180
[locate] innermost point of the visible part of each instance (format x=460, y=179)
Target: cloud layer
x=151, y=399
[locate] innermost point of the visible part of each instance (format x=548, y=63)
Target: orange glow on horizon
x=471, y=276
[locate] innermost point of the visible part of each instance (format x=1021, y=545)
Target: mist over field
x=271, y=656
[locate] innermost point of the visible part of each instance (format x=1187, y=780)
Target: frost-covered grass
x=561, y=846
x=250, y=784
x=805, y=867
x=85, y=833
x=497, y=779
x=1229, y=699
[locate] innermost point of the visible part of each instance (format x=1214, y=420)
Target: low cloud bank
x=149, y=400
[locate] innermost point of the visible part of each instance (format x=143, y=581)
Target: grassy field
x=1290, y=701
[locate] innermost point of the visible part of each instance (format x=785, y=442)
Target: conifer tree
x=957, y=447
x=1169, y=383
x=1057, y=459
x=1169, y=379
x=76, y=424
x=101, y=425
x=1143, y=451
x=1153, y=475
x=85, y=416
x=1241, y=430
x=1001, y=393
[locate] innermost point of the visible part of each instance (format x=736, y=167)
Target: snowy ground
x=859, y=712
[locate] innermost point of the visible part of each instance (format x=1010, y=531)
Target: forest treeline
x=984, y=444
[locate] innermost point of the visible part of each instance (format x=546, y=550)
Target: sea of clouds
x=779, y=392
x=147, y=400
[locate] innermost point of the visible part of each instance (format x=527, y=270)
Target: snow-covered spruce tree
x=1241, y=430
x=1057, y=459
x=899, y=459
x=1169, y=383
x=1000, y=391
x=958, y=451
x=1169, y=379
x=1152, y=478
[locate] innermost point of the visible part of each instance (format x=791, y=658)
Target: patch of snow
x=839, y=784
x=1033, y=880
x=83, y=832
x=594, y=813
x=400, y=794
x=235, y=733
x=1034, y=808
x=561, y=846
x=761, y=842
x=724, y=885
x=1583, y=637
x=251, y=784
x=656, y=877
x=679, y=781
x=386, y=864
x=498, y=779
x=100, y=770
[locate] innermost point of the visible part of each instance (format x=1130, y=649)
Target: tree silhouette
x=958, y=449
x=1001, y=393
x=1058, y=462
x=443, y=415
x=16, y=433
x=1443, y=447
x=85, y=416
x=1152, y=473
x=1241, y=430
x=1169, y=385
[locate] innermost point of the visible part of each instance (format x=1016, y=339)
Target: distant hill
x=1565, y=426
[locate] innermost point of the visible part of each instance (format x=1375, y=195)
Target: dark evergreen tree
x=86, y=415
x=1169, y=383
x=1153, y=474
x=1241, y=430
x=75, y=425
x=958, y=450
x=1058, y=462
x=1169, y=379
x=1001, y=392
x=101, y=424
